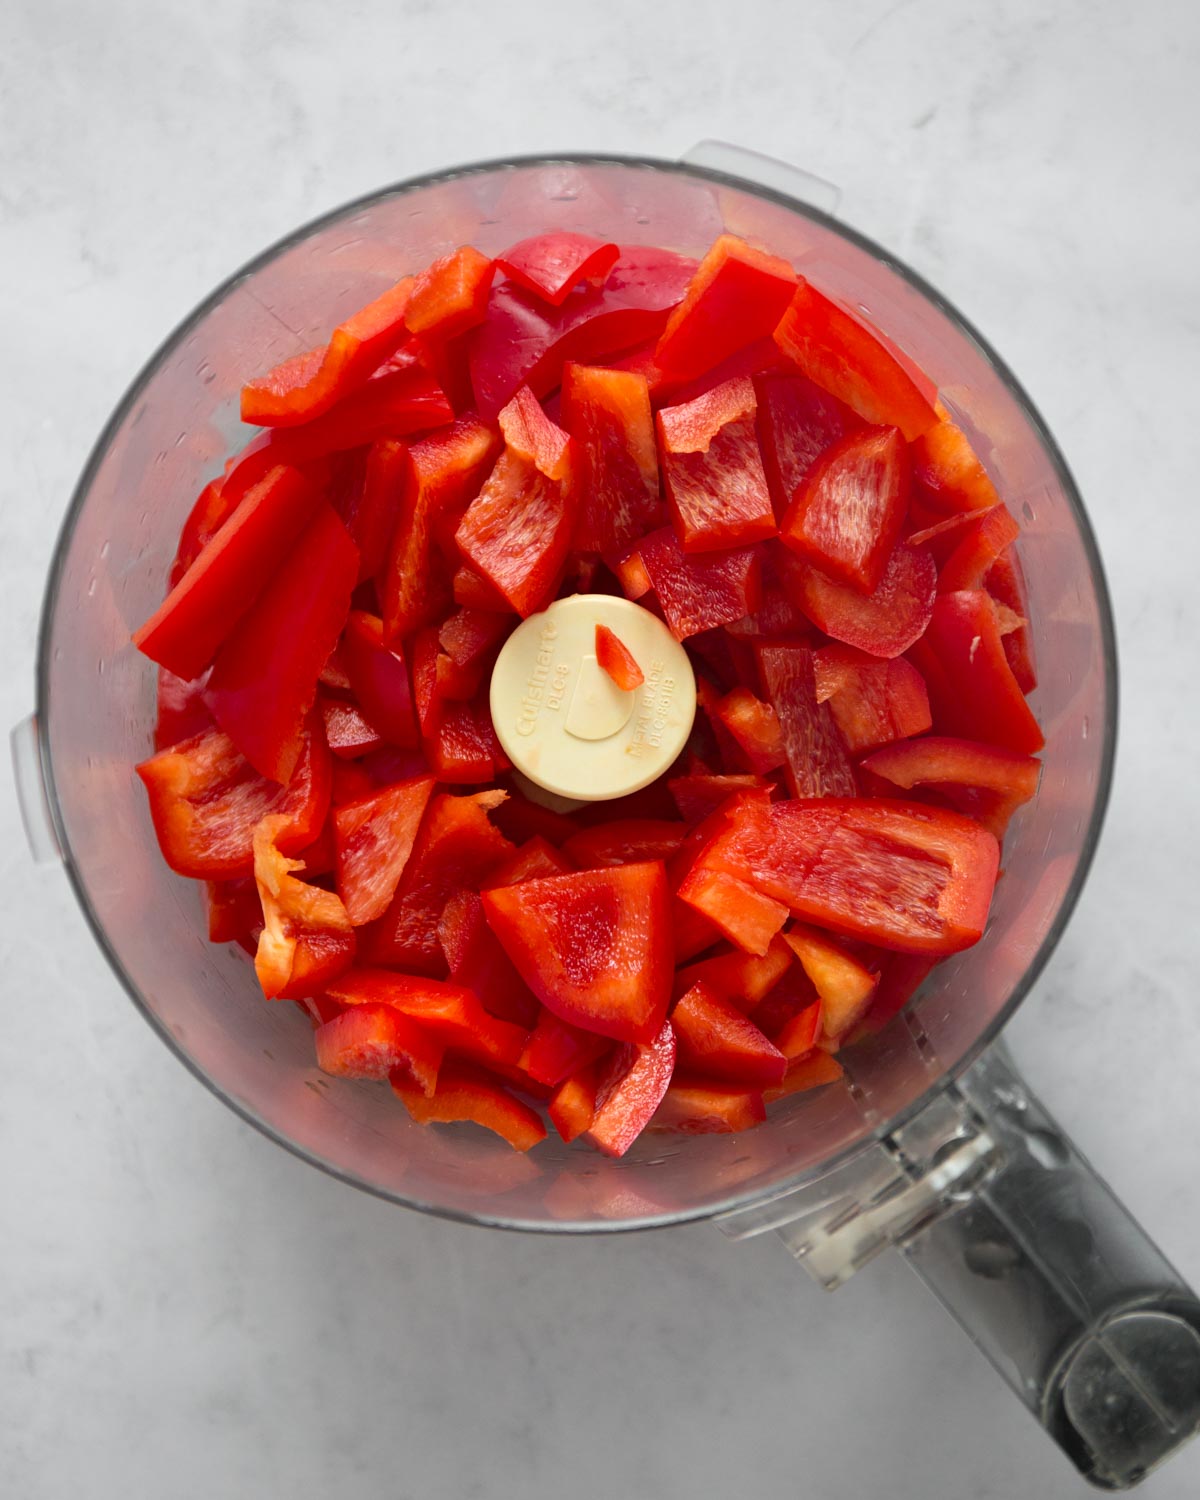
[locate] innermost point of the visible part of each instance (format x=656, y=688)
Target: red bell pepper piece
x=1005, y=582
x=983, y=781
x=897, y=874
x=449, y=1012
x=530, y=434
x=717, y=1039
x=700, y=592
x=348, y=731
x=378, y=677
x=799, y=1035
x=624, y=841
x=632, y=575
x=716, y=488
x=630, y=1090
x=884, y=623
x=614, y=657
x=615, y=479
x=523, y=342
x=426, y=697
x=903, y=975
x=474, y=592
x=972, y=689
x=700, y=794
x=374, y=838
x=556, y=1050
x=845, y=515
x=461, y=746
x=949, y=475
x=307, y=938
x=745, y=978
x=181, y=711
x=968, y=565
x=811, y=1072
x=371, y=505
x=516, y=533
x=520, y=819
x=456, y=849
x=818, y=763
x=351, y=780
x=444, y=472
x=754, y=728
x=572, y=1105
x=468, y=1093
x=594, y=947
x=551, y=265
x=203, y=608
x=738, y=294
x=302, y=388
x=534, y=860
x=850, y=362
x=792, y=996
x=797, y=422
x=735, y=908
x=451, y=295
x=265, y=676
x=453, y=681
x=941, y=537
x=701, y=1108
x=844, y=985
x=757, y=358
x=234, y=912
x=374, y=1041
x=478, y=961
x=469, y=636
x=210, y=512
x=206, y=798
x=873, y=702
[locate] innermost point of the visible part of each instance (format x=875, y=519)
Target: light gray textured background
x=187, y=1311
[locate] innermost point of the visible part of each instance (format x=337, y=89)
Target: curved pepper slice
x=614, y=657
x=302, y=388
x=206, y=800
x=797, y=422
x=373, y=839
x=551, y=265
x=630, y=1090
x=451, y=295
x=883, y=623
x=615, y=475
x=374, y=1041
x=984, y=781
x=307, y=938
x=595, y=947
x=692, y=1107
x=717, y=1039
x=450, y=1012
x=468, y=1093
x=516, y=533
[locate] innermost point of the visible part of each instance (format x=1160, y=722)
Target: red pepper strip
x=800, y=1035
x=942, y=537
x=950, y=478
x=614, y=657
x=897, y=874
x=844, y=985
x=203, y=608
x=444, y=471
x=736, y=909
x=467, y=1093
x=451, y=295
x=1005, y=582
x=302, y=388
x=426, y=698
x=624, y=841
x=969, y=563
x=478, y=961
x=797, y=422
x=700, y=592
x=738, y=294
x=470, y=635
x=846, y=514
x=181, y=712
x=873, y=702
x=630, y=1090
x=535, y=859
x=516, y=533
x=556, y=1049
x=530, y=433
x=985, y=782
x=884, y=623
x=373, y=1041
x=972, y=690
x=265, y=675
x=206, y=798
x=456, y=849
x=234, y=912
x=849, y=361
x=754, y=728
x=594, y=947
x=348, y=731
x=307, y=939
x=615, y=475
x=551, y=265
x=812, y=1072
x=210, y=512
x=700, y=794
x=462, y=746
x=379, y=678
x=372, y=502
x=716, y=488
x=572, y=1105
x=523, y=342
x=717, y=1039
x=744, y=978
x=374, y=837
x=818, y=763
x=701, y=1108
x=450, y=1012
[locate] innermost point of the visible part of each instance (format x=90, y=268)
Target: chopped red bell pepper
x=552, y=265
x=370, y=507
x=903, y=975
x=374, y=1041
x=615, y=479
x=265, y=676
x=630, y=1090
x=181, y=710
x=468, y=1093
x=474, y=592
x=1005, y=582
x=520, y=819
x=745, y=978
x=984, y=781
x=477, y=961
x=462, y=747
x=614, y=657
x=818, y=763
x=469, y=636
x=206, y=798
x=797, y=422
x=556, y=1050
x=968, y=565
x=451, y=295
x=212, y=509
x=841, y=355
x=516, y=533
x=348, y=731
x=234, y=912
x=950, y=477
x=758, y=358
x=594, y=947
x=444, y=471
x=351, y=780
x=572, y=1105
x=535, y=859
x=792, y=996
x=872, y=701
x=374, y=838
x=307, y=938
x=972, y=690
x=450, y=1012
x=717, y=1039
x=698, y=795
x=844, y=985
x=800, y=1034
x=530, y=434
x=624, y=841
x=754, y=728
x=735, y=908
x=632, y=576
x=379, y=679
x=304, y=387
x=700, y=592
x=738, y=294
x=701, y=1108
x=201, y=611
x=811, y=1072
x=884, y=623
x=456, y=849
x=523, y=342
x=716, y=488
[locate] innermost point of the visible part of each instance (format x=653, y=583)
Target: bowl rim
x=737, y=1201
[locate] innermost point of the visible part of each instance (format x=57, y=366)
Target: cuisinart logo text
x=547, y=682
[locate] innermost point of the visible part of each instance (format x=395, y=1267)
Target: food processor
x=931, y=1143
